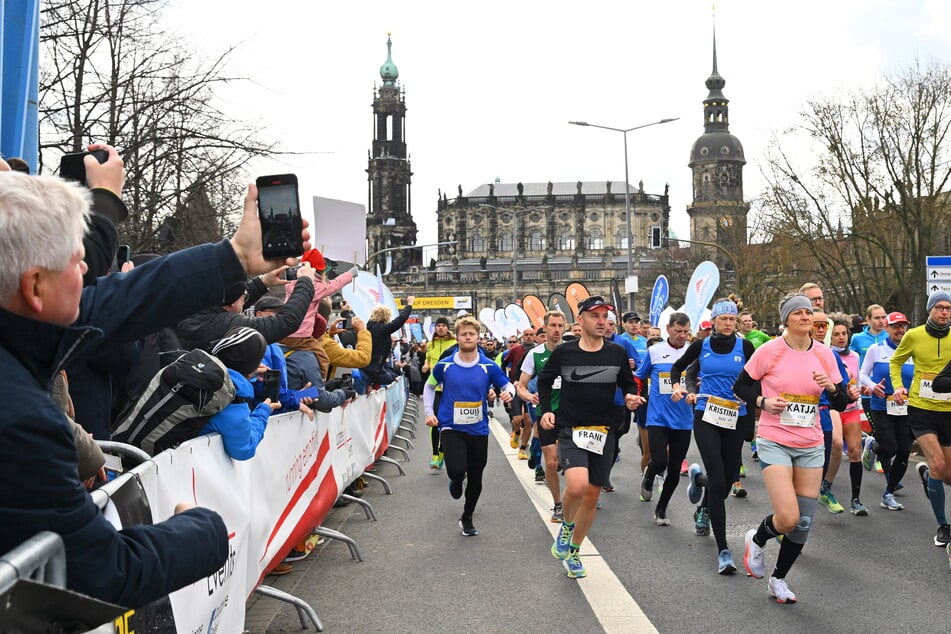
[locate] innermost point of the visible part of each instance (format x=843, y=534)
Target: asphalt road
x=856, y=574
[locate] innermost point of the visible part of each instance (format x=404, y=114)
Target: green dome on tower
x=388, y=70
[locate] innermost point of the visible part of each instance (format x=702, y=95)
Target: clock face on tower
x=726, y=221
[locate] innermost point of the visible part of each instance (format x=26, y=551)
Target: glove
x=350, y=394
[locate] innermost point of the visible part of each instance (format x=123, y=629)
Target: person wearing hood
x=241, y=426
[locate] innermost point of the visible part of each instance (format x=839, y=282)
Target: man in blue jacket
x=47, y=320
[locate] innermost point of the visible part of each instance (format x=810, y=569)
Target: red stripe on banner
x=380, y=441
x=305, y=483
x=318, y=508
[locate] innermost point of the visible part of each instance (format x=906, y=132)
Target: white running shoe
x=754, y=558
x=779, y=589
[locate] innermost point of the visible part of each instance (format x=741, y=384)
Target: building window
x=620, y=238
x=477, y=243
x=595, y=239
x=566, y=239
x=505, y=242
x=536, y=242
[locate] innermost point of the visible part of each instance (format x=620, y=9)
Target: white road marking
x=616, y=609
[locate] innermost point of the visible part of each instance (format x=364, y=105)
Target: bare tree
x=112, y=74
x=871, y=205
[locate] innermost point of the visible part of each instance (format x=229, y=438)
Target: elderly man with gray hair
x=47, y=319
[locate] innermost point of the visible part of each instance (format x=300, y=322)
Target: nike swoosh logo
x=665, y=356
x=574, y=376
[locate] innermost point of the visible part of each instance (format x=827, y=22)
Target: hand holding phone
x=272, y=385
x=73, y=166
x=280, y=216
x=123, y=255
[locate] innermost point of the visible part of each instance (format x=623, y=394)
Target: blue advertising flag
x=659, y=297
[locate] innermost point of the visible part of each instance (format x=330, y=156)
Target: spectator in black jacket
x=205, y=328
x=380, y=327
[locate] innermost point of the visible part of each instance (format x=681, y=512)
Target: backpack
x=179, y=400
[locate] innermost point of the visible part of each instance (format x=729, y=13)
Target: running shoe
x=455, y=489
x=647, y=490
x=466, y=526
x=923, y=474
x=742, y=470
x=522, y=454
x=281, y=569
x=539, y=474
x=754, y=557
x=779, y=589
x=889, y=502
x=725, y=565
x=868, y=454
x=943, y=536
x=435, y=463
x=701, y=520
x=574, y=567
x=755, y=453
x=857, y=508
x=683, y=467
x=738, y=490
x=558, y=514
x=755, y=456
x=827, y=499
x=598, y=505
x=296, y=555
x=694, y=491
x=561, y=547
x=608, y=488
x=660, y=517
x=878, y=467
x=513, y=441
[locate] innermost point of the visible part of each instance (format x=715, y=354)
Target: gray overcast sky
x=490, y=86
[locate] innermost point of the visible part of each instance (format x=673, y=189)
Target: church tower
x=718, y=212
x=390, y=219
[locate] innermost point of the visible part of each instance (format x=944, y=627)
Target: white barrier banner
x=269, y=503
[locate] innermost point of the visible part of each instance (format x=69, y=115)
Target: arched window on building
x=566, y=239
x=595, y=239
x=620, y=238
x=477, y=242
x=505, y=242
x=536, y=241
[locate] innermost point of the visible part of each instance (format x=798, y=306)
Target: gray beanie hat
x=792, y=304
x=936, y=297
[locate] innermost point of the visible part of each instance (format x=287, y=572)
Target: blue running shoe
x=694, y=491
x=725, y=565
x=455, y=489
x=868, y=454
x=574, y=567
x=561, y=547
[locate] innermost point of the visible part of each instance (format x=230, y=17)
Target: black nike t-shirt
x=588, y=383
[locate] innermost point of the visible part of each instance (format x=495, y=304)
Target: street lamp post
x=515, y=213
x=627, y=191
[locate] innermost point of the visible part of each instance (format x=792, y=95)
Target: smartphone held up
x=72, y=167
x=279, y=213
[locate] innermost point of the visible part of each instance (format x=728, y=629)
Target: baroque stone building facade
x=514, y=239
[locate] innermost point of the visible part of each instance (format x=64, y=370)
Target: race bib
x=926, y=391
x=666, y=387
x=802, y=410
x=894, y=409
x=466, y=413
x=721, y=412
x=590, y=438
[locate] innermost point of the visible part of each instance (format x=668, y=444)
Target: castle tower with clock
x=718, y=212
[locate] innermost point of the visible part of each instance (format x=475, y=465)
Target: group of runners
x=798, y=399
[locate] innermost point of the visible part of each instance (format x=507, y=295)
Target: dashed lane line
x=612, y=604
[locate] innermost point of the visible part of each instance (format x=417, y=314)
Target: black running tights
x=720, y=450
x=466, y=456
x=668, y=449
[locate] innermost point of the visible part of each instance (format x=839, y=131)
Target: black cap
x=629, y=315
x=441, y=320
x=540, y=331
x=268, y=302
x=595, y=301
x=233, y=292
